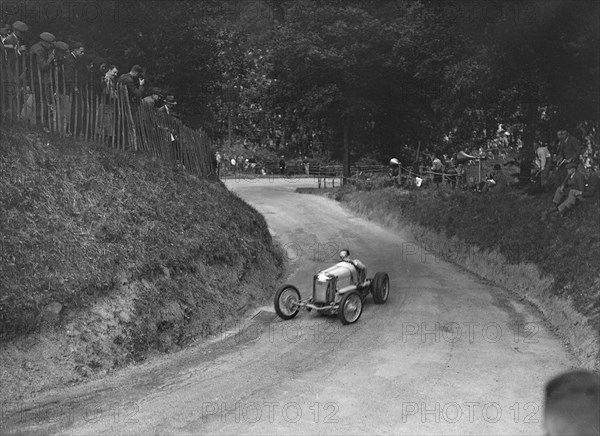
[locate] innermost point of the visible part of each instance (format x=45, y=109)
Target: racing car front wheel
x=286, y=301
x=350, y=307
x=380, y=288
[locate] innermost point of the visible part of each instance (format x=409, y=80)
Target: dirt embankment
x=553, y=266
x=108, y=258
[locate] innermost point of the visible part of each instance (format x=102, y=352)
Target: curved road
x=447, y=354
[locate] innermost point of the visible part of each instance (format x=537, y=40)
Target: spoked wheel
x=350, y=308
x=286, y=301
x=380, y=288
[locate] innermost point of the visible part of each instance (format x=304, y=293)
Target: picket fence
x=83, y=109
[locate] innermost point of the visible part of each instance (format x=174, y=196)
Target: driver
x=360, y=267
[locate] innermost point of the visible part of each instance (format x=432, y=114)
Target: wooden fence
x=80, y=107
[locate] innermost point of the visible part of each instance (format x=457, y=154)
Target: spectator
x=13, y=46
x=497, y=183
x=134, y=82
x=572, y=187
x=72, y=65
x=437, y=168
x=394, y=170
x=61, y=50
x=219, y=161
x=5, y=30
x=155, y=100
x=169, y=107
x=306, y=165
x=461, y=176
x=108, y=88
x=568, y=150
x=15, y=39
x=109, y=80
x=233, y=163
x=572, y=404
x=452, y=174
x=544, y=163
x=569, y=147
x=43, y=58
x=240, y=162
x=44, y=55
x=592, y=183
x=282, y=165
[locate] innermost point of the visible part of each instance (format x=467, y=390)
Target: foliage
x=296, y=76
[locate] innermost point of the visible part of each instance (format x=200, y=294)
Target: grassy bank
x=108, y=257
x=554, y=264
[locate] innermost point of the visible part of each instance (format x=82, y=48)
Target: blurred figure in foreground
x=572, y=404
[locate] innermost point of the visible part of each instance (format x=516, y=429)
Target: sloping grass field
x=107, y=257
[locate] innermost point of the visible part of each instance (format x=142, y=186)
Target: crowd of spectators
x=566, y=168
x=77, y=70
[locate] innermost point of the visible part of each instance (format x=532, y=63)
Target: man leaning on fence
x=15, y=40
x=43, y=59
x=13, y=45
x=134, y=82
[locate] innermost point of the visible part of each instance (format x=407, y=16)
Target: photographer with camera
x=135, y=83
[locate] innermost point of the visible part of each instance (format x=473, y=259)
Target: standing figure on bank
x=437, y=169
x=568, y=150
x=544, y=163
x=282, y=166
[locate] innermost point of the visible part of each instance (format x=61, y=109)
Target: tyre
x=380, y=288
x=350, y=307
x=285, y=301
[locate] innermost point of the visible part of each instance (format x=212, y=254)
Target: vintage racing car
x=340, y=289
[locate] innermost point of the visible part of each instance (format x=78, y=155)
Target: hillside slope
x=108, y=257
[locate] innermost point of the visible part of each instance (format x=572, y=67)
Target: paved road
x=447, y=354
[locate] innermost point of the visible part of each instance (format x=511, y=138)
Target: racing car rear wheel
x=286, y=299
x=380, y=288
x=350, y=308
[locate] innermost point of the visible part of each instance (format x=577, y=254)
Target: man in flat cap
x=43, y=61
x=13, y=47
x=15, y=40
x=44, y=52
x=571, y=188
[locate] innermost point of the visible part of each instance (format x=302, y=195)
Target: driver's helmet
x=344, y=254
x=394, y=161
